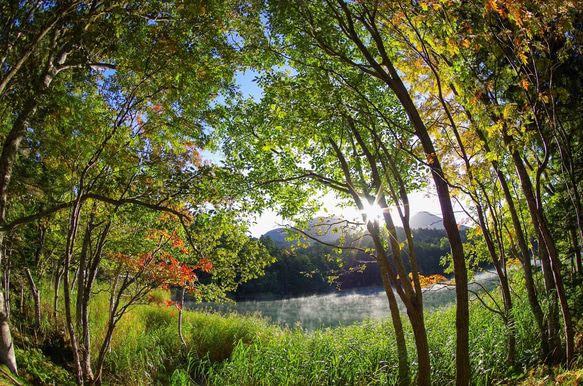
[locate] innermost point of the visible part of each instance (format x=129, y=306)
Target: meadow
x=239, y=349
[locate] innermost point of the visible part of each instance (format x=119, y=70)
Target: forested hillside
x=320, y=269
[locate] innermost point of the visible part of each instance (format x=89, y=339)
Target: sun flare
x=373, y=212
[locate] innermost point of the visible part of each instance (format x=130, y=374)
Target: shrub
x=37, y=369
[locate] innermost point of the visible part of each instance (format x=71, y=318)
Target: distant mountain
x=329, y=229
x=276, y=234
x=426, y=220
x=326, y=229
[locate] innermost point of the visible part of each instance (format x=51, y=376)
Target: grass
x=247, y=350
x=365, y=354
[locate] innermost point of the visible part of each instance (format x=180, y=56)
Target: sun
x=373, y=212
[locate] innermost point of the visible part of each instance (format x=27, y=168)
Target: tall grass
x=247, y=350
x=353, y=355
x=147, y=347
x=365, y=354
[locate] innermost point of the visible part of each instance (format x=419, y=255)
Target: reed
x=248, y=350
x=365, y=354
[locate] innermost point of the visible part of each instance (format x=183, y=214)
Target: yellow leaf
x=491, y=6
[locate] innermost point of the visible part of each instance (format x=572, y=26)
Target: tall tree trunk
x=7, y=160
x=181, y=307
x=504, y=286
x=525, y=261
x=577, y=252
x=388, y=283
x=86, y=343
x=379, y=65
x=82, y=276
x=410, y=294
x=82, y=305
x=463, y=372
x=113, y=306
x=524, y=250
x=415, y=311
x=6, y=279
x=412, y=298
x=57, y=289
x=556, y=353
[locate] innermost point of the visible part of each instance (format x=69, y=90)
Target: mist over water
x=340, y=308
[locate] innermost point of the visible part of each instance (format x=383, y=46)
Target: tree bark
x=73, y=227
x=7, y=356
x=382, y=259
x=181, y=307
x=504, y=286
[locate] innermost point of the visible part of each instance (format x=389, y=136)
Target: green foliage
x=37, y=369
x=354, y=355
x=147, y=347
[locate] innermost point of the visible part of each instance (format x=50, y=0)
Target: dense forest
x=317, y=268
x=132, y=162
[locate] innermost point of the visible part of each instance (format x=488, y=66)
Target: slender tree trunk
x=72, y=234
x=576, y=252
x=526, y=261
x=463, y=372
x=524, y=251
x=18, y=130
x=382, y=259
x=57, y=287
x=415, y=309
x=6, y=280
x=114, y=305
x=86, y=344
x=82, y=276
x=547, y=244
x=82, y=305
x=7, y=356
x=504, y=286
x=404, y=373
x=412, y=298
x=36, y=296
x=181, y=306
x=379, y=65
x=556, y=353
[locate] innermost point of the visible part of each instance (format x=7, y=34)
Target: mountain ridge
x=322, y=228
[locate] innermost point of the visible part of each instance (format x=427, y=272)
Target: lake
x=339, y=308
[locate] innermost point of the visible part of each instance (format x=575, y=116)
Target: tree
x=331, y=35
x=127, y=87
x=324, y=128
x=499, y=65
